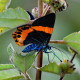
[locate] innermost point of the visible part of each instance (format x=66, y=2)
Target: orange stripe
x=23, y=36
x=14, y=35
x=44, y=29
x=38, y=28
x=25, y=33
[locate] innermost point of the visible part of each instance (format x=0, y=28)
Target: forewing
x=39, y=32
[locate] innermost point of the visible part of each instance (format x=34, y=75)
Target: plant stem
x=61, y=78
x=40, y=54
x=39, y=64
x=26, y=76
x=73, y=55
x=45, y=10
x=57, y=41
x=40, y=7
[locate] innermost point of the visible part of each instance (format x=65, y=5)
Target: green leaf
x=73, y=41
x=10, y=49
x=12, y=18
x=4, y=4
x=51, y=67
x=10, y=74
x=59, y=69
x=3, y=29
x=21, y=62
x=6, y=66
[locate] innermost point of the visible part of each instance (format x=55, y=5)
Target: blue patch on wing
x=29, y=48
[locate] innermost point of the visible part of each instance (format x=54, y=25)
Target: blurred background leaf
x=4, y=4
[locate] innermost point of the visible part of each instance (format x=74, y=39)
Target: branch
x=57, y=41
x=40, y=54
x=75, y=53
x=45, y=10
x=40, y=7
x=26, y=76
x=61, y=78
x=39, y=64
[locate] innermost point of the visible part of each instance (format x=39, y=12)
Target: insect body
x=37, y=35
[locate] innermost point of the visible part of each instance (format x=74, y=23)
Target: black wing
x=38, y=35
x=39, y=32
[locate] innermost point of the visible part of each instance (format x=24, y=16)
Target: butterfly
x=37, y=35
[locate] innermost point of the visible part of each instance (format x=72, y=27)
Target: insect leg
x=56, y=55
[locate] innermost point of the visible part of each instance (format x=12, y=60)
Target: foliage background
x=67, y=22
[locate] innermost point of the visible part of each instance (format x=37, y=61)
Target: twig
x=39, y=15
x=45, y=10
x=40, y=54
x=26, y=76
x=39, y=64
x=40, y=7
x=57, y=41
x=61, y=78
x=73, y=57
x=75, y=52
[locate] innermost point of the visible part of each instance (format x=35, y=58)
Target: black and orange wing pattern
x=39, y=32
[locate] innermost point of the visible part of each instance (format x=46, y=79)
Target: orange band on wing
x=24, y=34
x=20, y=34
x=44, y=29
x=15, y=39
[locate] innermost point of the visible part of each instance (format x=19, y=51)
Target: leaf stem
x=75, y=53
x=45, y=10
x=26, y=76
x=73, y=57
